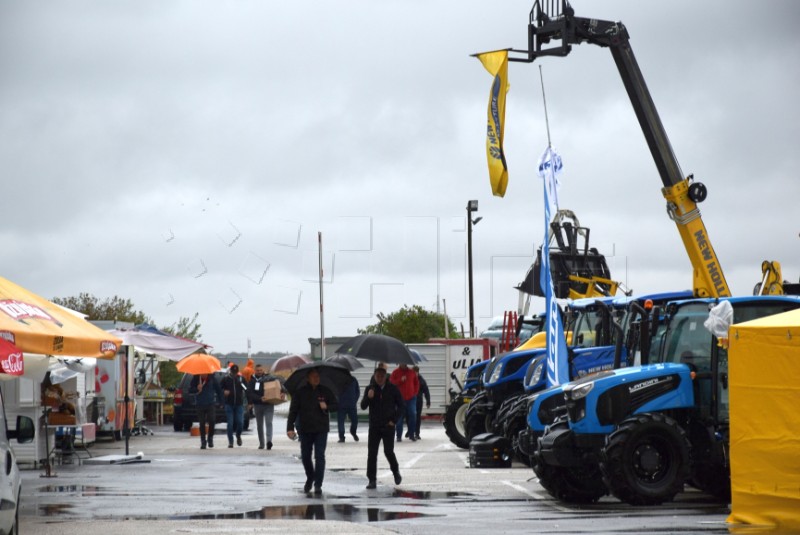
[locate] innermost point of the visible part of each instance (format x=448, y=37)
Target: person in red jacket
x=406, y=380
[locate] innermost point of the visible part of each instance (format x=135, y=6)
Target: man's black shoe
x=269, y=445
x=413, y=439
x=341, y=440
x=203, y=446
x=238, y=441
x=399, y=439
x=210, y=443
x=397, y=478
x=371, y=485
x=307, y=486
x=261, y=447
x=317, y=490
x=355, y=437
x=230, y=444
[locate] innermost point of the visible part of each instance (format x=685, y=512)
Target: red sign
x=11, y=361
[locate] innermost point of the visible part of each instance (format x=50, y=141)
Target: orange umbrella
x=35, y=325
x=199, y=364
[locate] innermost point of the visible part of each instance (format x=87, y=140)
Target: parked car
x=10, y=480
x=185, y=405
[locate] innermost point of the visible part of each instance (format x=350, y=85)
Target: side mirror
x=25, y=430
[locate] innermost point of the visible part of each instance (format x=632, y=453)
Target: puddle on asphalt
x=342, y=512
x=429, y=495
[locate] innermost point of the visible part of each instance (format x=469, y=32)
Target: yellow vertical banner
x=497, y=65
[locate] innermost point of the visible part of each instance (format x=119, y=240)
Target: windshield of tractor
x=585, y=328
x=687, y=340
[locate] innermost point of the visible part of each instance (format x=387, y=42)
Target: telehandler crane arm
x=556, y=21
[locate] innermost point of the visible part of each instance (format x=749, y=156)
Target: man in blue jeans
x=311, y=404
x=405, y=379
x=235, y=391
x=348, y=401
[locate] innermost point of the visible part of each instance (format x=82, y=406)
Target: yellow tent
x=764, y=367
x=35, y=325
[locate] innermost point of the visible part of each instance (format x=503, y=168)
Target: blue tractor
x=460, y=396
x=641, y=433
x=499, y=407
x=612, y=325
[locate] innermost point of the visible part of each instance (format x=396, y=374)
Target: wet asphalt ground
x=183, y=489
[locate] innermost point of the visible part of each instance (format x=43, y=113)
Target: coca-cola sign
x=11, y=361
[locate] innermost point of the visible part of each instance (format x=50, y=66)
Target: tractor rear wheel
x=646, y=460
x=455, y=422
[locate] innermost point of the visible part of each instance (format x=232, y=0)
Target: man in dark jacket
x=235, y=390
x=348, y=407
x=263, y=411
x=208, y=394
x=311, y=404
x=385, y=407
x=423, y=392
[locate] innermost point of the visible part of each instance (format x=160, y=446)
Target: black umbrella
x=333, y=375
x=348, y=361
x=377, y=347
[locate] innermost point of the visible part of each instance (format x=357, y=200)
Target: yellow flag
x=497, y=65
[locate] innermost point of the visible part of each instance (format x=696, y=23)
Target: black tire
x=570, y=484
x=519, y=452
x=455, y=422
x=475, y=425
x=714, y=480
x=646, y=460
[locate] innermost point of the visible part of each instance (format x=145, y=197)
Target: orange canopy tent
x=35, y=325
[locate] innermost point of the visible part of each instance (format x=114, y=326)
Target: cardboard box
x=272, y=392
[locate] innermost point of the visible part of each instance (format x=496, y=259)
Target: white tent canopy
x=167, y=346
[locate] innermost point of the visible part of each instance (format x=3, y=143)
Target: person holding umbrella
x=311, y=404
x=208, y=392
x=385, y=405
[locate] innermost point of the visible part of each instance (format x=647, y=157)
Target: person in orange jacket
x=406, y=380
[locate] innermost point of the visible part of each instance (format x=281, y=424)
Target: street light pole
x=472, y=206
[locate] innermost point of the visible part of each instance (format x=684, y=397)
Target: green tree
x=412, y=325
x=111, y=309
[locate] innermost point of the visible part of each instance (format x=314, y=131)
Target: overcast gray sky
x=186, y=154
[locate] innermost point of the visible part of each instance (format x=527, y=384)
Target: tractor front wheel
x=646, y=460
x=455, y=422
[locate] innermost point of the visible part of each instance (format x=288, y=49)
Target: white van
x=10, y=480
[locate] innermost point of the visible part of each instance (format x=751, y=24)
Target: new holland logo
x=645, y=384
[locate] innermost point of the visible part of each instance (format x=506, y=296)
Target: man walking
x=310, y=407
x=235, y=390
x=263, y=411
x=208, y=392
x=348, y=407
x=406, y=381
x=423, y=392
x=385, y=405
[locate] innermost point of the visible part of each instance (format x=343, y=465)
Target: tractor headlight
x=580, y=391
x=537, y=374
x=497, y=373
